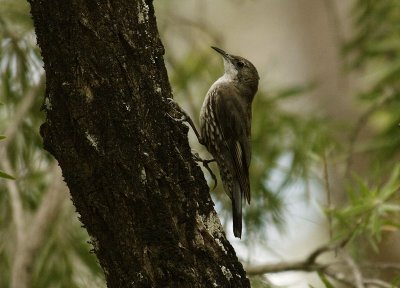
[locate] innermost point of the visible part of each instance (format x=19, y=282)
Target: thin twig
x=374, y=283
x=370, y=282
x=339, y=277
x=328, y=194
x=309, y=264
x=362, y=121
x=20, y=113
x=358, y=278
x=27, y=248
x=16, y=202
x=284, y=267
x=382, y=266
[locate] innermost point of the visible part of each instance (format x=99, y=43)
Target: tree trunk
x=127, y=163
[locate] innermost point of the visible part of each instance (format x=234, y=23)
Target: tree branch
x=328, y=193
x=375, y=283
x=16, y=202
x=382, y=266
x=32, y=239
x=357, y=276
x=21, y=112
x=369, y=283
x=309, y=264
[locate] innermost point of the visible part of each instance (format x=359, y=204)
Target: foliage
x=6, y=176
x=259, y=282
x=375, y=50
x=372, y=208
x=374, y=205
x=2, y=173
x=298, y=145
x=325, y=280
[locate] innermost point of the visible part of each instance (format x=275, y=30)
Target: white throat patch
x=230, y=70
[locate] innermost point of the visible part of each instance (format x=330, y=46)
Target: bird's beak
x=229, y=67
x=222, y=52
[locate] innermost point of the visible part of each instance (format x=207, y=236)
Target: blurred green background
x=325, y=135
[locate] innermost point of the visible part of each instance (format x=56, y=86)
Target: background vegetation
x=348, y=167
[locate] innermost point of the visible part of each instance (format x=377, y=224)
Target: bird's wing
x=231, y=114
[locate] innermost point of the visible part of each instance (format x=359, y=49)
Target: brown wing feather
x=235, y=128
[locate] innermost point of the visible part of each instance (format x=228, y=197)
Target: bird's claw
x=184, y=117
x=177, y=108
x=205, y=163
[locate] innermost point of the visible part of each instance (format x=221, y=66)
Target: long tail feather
x=237, y=210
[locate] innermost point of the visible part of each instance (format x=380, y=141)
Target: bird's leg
x=185, y=118
x=205, y=163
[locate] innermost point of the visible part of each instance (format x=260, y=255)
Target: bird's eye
x=240, y=64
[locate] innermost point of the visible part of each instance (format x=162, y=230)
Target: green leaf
x=5, y=175
x=392, y=185
x=2, y=137
x=390, y=207
x=325, y=280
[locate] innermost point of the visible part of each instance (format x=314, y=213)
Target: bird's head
x=238, y=69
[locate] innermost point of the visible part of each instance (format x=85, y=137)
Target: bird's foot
x=178, y=110
x=184, y=117
x=205, y=163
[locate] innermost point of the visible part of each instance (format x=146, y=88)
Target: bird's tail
x=237, y=210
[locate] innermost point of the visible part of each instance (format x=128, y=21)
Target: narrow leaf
x=5, y=175
x=325, y=280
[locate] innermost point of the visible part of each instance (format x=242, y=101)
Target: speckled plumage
x=225, y=128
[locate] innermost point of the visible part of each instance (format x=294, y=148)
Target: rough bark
x=128, y=165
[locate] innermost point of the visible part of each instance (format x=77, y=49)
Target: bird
x=225, y=128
